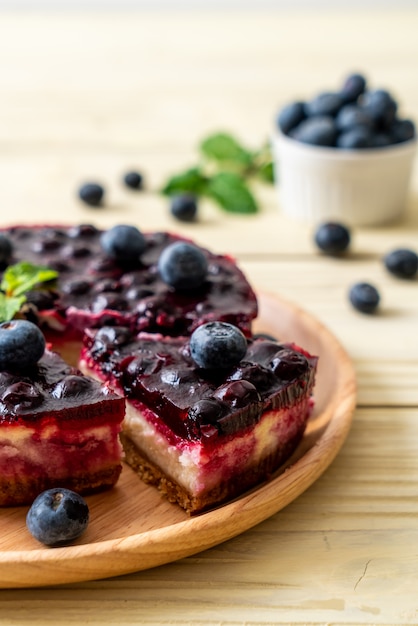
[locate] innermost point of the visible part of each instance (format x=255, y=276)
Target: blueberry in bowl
x=344, y=155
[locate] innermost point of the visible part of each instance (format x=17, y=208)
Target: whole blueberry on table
x=133, y=180
x=402, y=263
x=123, y=242
x=91, y=193
x=21, y=344
x=6, y=250
x=184, y=207
x=217, y=345
x=290, y=116
x=332, y=237
x=354, y=85
x=183, y=266
x=364, y=297
x=318, y=131
x=57, y=517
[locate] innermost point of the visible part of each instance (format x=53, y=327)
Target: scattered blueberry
x=325, y=104
x=57, y=517
x=319, y=131
x=183, y=266
x=91, y=193
x=123, y=242
x=364, y=297
x=332, y=238
x=134, y=180
x=354, y=85
x=217, y=345
x=184, y=207
x=6, y=250
x=290, y=116
x=402, y=263
x=21, y=344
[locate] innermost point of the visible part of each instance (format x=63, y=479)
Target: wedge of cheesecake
x=203, y=437
x=58, y=428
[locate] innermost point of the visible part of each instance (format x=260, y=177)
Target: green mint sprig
x=224, y=173
x=17, y=280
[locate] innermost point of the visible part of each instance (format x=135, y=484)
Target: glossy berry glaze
x=193, y=403
x=93, y=289
x=57, y=426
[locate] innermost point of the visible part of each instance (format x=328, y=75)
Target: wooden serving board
x=133, y=528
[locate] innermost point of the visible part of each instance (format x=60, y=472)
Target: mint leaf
x=266, y=172
x=191, y=181
x=9, y=306
x=24, y=276
x=231, y=193
x=225, y=148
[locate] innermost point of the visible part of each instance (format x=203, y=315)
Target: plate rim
x=163, y=545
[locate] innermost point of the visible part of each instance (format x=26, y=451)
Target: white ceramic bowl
x=356, y=187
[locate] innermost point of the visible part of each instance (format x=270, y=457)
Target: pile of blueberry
x=353, y=117
x=334, y=239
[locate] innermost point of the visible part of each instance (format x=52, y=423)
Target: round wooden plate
x=132, y=528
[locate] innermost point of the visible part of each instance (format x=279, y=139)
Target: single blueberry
x=352, y=116
x=134, y=180
x=319, y=131
x=402, y=130
x=354, y=85
x=290, y=116
x=6, y=250
x=381, y=107
x=402, y=263
x=57, y=517
x=364, y=297
x=91, y=193
x=184, y=207
x=332, y=237
x=123, y=242
x=21, y=344
x=183, y=265
x=324, y=104
x=381, y=140
x=355, y=139
x=217, y=345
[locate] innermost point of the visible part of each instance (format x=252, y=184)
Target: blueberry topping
x=110, y=337
x=112, y=301
x=75, y=251
x=77, y=287
x=123, y=242
x=20, y=396
x=6, y=250
x=402, y=263
x=72, y=385
x=217, y=345
x=48, y=244
x=133, y=180
x=143, y=365
x=261, y=377
x=238, y=394
x=324, y=104
x=332, y=238
x=288, y=364
x=354, y=85
x=290, y=116
x=41, y=298
x=91, y=193
x=57, y=517
x=184, y=207
x=82, y=230
x=364, y=297
x=318, y=131
x=183, y=266
x=21, y=344
x=206, y=411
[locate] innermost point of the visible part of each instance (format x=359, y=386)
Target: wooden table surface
x=87, y=96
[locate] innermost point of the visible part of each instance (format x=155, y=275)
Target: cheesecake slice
x=203, y=437
x=58, y=428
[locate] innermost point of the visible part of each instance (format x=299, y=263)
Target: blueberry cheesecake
x=207, y=416
x=154, y=282
x=57, y=427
